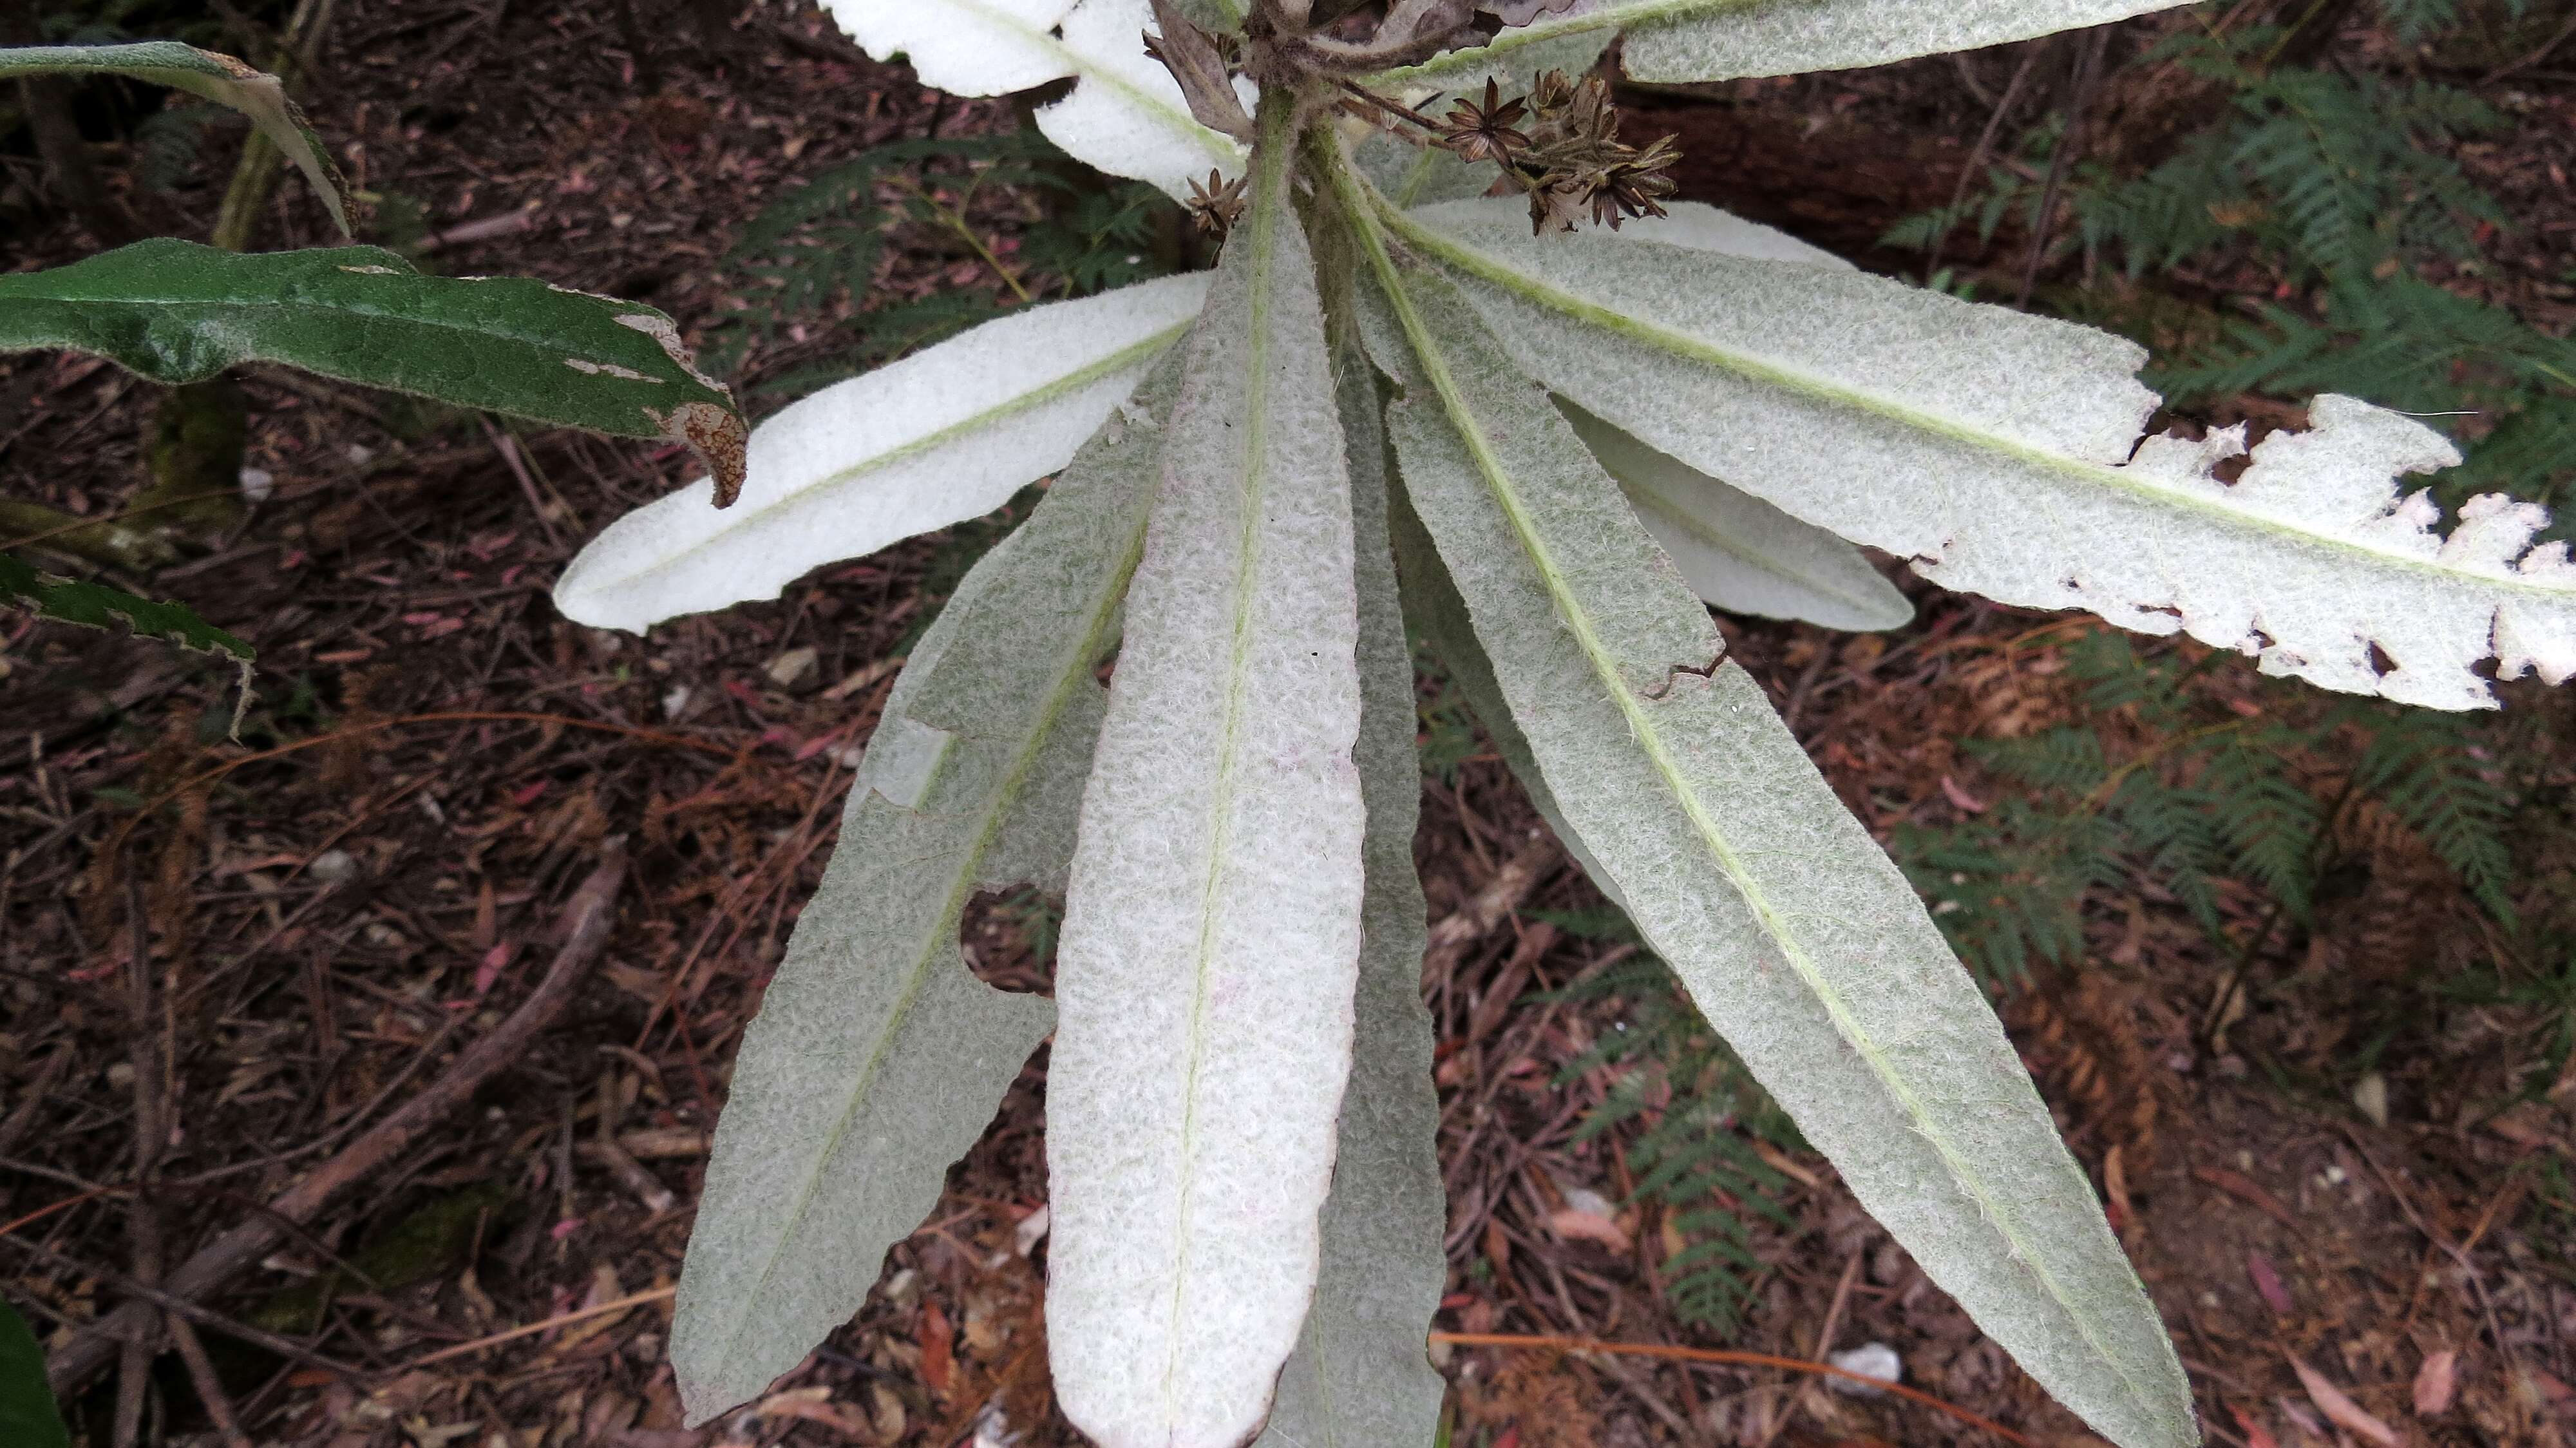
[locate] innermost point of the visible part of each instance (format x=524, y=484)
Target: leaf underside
x=1890, y=430
x=176, y=312
x=1697, y=40
x=1360, y=1377
x=877, y=1058
x=1125, y=113
x=1796, y=936
x=1212, y=929
x=944, y=435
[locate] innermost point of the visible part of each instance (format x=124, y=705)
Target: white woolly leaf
x=945, y=434
x=1212, y=930
x=1736, y=551
x=1695, y=40
x=1126, y=114
x=2000, y=452
x=1360, y=1377
x=876, y=1058
x=1795, y=935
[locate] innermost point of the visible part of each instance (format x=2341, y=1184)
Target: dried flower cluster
x=1561, y=146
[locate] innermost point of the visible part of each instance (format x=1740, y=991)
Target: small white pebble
x=1873, y=1360
x=257, y=485
x=333, y=866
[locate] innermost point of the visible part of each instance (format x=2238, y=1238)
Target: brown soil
x=324, y=923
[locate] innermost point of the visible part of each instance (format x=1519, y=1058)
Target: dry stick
x=1968, y=174
x=586, y=920
x=2537, y=56
x=210, y=1386
x=1731, y=1358
x=2088, y=69
x=564, y=1319
x=1825, y=1334
x=285, y=1347
x=142, y=1214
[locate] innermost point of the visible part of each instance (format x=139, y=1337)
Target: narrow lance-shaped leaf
x=1360, y=1377
x=1795, y=935
x=946, y=434
x=177, y=312
x=2000, y=453
x=1126, y=114
x=1212, y=931
x=217, y=77
x=1694, y=40
x=877, y=1059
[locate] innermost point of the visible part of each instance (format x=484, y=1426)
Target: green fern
x=809, y=259
x=2342, y=185
x=2213, y=797
x=1699, y=1154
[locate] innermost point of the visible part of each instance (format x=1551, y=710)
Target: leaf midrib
x=1270, y=211
x=738, y=519
x=1648, y=732
x=2118, y=479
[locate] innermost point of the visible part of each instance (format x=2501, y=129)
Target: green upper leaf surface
x=219, y=78
x=877, y=1058
x=94, y=605
x=1999, y=452
x=28, y=1417
x=1693, y=40
x=1212, y=930
x=177, y=312
x=1360, y=1377
x=1796, y=936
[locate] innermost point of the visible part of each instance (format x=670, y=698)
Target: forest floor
x=332, y=915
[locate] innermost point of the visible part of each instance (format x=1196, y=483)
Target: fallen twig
x=585, y=926
x=1731, y=1358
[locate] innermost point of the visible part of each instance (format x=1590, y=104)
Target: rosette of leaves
x=1547, y=454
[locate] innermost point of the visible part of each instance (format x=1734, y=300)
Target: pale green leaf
x=2000, y=453
x=1697, y=40
x=218, y=78
x=877, y=1059
x=177, y=312
x=1795, y=935
x=1125, y=115
x=946, y=434
x=1737, y=551
x=1360, y=1377
x=1212, y=931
